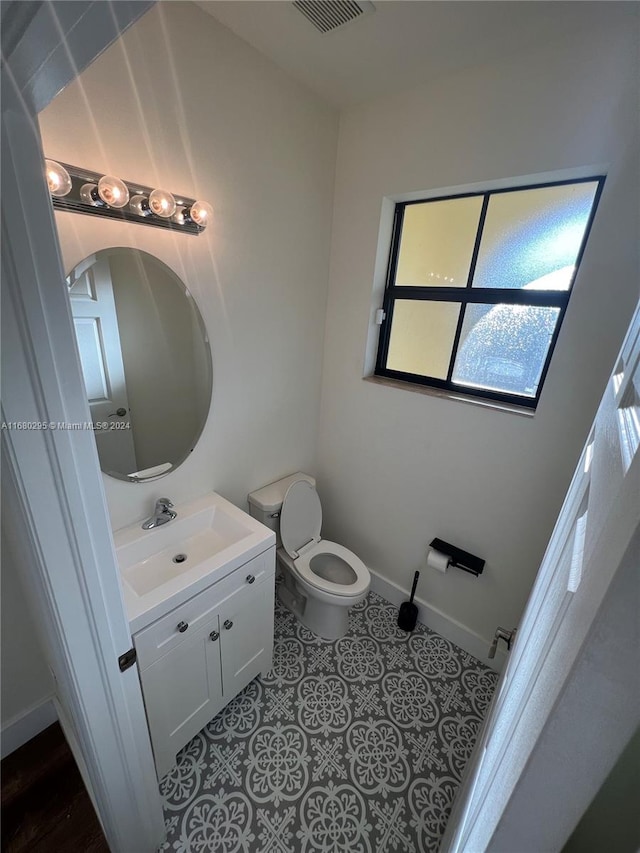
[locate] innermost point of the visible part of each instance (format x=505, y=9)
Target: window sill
x=523, y=411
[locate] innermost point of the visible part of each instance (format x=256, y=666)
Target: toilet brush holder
x=408, y=615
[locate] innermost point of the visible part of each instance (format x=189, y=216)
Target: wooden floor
x=45, y=805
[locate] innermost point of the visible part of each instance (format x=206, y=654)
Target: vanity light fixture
x=108, y=192
x=82, y=191
x=139, y=204
x=58, y=179
x=162, y=203
x=89, y=195
x=113, y=191
x=201, y=213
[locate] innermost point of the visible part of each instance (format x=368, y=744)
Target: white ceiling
x=405, y=42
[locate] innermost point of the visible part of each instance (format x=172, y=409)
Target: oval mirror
x=145, y=358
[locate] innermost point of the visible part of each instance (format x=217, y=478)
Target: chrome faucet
x=161, y=514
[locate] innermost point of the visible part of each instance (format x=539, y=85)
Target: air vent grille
x=327, y=15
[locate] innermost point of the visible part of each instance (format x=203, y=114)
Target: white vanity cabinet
x=197, y=657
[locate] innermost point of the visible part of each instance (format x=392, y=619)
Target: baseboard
x=442, y=624
x=27, y=725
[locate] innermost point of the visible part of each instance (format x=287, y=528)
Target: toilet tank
x=265, y=503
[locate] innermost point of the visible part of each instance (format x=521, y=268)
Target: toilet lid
x=300, y=517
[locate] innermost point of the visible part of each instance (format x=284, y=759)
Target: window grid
x=472, y=270
x=469, y=294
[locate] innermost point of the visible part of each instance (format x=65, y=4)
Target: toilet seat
x=303, y=566
x=300, y=526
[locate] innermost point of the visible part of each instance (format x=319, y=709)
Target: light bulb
x=89, y=195
x=201, y=212
x=180, y=217
x=162, y=203
x=113, y=191
x=58, y=179
x=140, y=204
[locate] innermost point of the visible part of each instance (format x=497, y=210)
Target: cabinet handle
x=214, y=635
x=182, y=626
x=228, y=624
x=250, y=578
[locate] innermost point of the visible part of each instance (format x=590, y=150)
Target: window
x=478, y=284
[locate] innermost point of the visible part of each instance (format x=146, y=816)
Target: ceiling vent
x=327, y=15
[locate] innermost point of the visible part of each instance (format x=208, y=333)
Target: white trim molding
x=26, y=725
x=442, y=624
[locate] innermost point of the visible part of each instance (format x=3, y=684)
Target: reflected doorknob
x=228, y=624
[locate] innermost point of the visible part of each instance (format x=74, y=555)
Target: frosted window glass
x=437, y=242
x=531, y=238
x=504, y=347
x=422, y=337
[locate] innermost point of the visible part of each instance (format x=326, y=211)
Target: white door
x=96, y=323
x=552, y=666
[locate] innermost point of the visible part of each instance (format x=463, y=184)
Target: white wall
x=396, y=468
x=182, y=103
x=26, y=681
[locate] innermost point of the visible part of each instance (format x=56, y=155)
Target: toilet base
x=328, y=621
x=292, y=601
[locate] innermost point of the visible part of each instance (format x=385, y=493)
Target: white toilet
x=321, y=579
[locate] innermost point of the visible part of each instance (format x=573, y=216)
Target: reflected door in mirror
x=96, y=324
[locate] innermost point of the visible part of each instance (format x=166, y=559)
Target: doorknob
x=228, y=624
x=214, y=635
x=121, y=412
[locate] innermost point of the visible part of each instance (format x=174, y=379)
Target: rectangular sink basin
x=162, y=567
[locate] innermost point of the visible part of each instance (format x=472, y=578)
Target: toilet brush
x=408, y=615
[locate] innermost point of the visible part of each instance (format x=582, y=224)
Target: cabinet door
x=182, y=692
x=246, y=635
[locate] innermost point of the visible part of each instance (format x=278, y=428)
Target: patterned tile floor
x=353, y=746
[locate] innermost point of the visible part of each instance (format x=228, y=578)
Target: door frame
x=52, y=484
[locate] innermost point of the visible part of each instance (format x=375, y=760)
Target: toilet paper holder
x=459, y=559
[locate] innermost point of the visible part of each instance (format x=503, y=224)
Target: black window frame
x=478, y=295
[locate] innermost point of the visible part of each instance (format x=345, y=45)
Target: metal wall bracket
x=502, y=634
